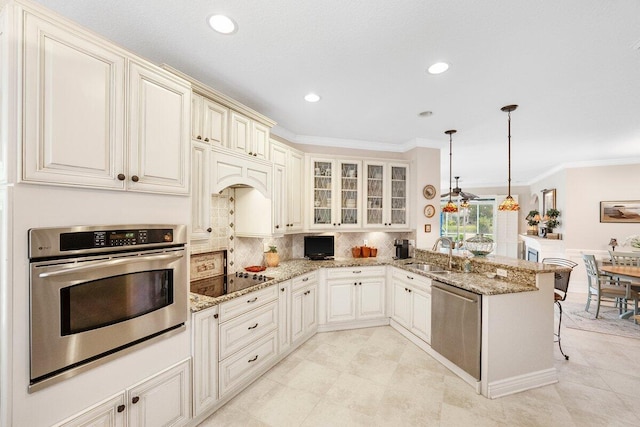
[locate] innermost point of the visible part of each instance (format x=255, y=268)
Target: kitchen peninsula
x=516, y=311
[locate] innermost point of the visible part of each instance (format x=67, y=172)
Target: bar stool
x=561, y=285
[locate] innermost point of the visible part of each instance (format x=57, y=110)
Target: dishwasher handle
x=457, y=296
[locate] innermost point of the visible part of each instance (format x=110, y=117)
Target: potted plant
x=533, y=219
x=271, y=257
x=552, y=222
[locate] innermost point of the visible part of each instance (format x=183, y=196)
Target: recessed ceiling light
x=311, y=97
x=425, y=113
x=438, y=67
x=222, y=24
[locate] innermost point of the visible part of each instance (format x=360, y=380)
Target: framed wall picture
x=427, y=228
x=620, y=211
x=429, y=191
x=548, y=200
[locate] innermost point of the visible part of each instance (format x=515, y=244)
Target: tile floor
x=375, y=377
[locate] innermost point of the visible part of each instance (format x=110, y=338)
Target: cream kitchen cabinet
x=205, y=359
x=336, y=194
x=249, y=136
x=284, y=313
x=304, y=307
x=94, y=130
x=248, y=338
x=386, y=190
x=200, y=192
x=209, y=121
x=291, y=209
x=162, y=400
x=411, y=303
x=355, y=294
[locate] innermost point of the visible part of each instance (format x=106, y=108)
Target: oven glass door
x=84, y=308
x=111, y=300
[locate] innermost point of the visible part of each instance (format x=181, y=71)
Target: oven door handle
x=109, y=263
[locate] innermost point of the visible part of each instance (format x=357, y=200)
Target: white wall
x=425, y=169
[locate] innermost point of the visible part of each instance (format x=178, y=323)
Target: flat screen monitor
x=318, y=247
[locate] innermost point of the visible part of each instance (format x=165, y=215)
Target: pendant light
x=450, y=207
x=509, y=204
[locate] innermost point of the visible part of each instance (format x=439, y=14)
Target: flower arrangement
x=551, y=217
x=633, y=241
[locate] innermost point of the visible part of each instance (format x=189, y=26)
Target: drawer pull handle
x=357, y=271
x=253, y=360
x=252, y=300
x=305, y=279
x=409, y=277
x=253, y=327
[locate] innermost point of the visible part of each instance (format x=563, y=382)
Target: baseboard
x=521, y=383
x=342, y=326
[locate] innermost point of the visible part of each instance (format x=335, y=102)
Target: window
x=479, y=217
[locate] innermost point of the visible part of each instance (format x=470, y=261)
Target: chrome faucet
x=450, y=241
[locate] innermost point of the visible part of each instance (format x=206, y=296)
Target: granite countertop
x=521, y=276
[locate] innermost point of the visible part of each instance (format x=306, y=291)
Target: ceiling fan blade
x=468, y=196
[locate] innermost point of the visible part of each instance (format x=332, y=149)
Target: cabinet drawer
x=245, y=364
x=304, y=280
x=349, y=272
x=411, y=278
x=247, y=328
x=247, y=302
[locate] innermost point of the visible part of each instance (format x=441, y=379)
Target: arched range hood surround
x=231, y=169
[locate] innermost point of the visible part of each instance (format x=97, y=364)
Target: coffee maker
x=402, y=248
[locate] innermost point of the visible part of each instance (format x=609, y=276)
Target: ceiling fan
x=457, y=191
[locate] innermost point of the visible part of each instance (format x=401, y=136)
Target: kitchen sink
x=426, y=267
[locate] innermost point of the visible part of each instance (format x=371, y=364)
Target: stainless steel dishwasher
x=456, y=326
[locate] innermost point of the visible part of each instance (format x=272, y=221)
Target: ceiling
x=573, y=67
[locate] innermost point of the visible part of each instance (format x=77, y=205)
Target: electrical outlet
x=501, y=272
x=365, y=242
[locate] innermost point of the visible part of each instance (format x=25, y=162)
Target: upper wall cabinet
x=74, y=113
x=386, y=195
x=209, y=121
x=249, y=136
x=292, y=194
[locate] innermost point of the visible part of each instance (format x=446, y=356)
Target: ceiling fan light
x=508, y=204
x=465, y=204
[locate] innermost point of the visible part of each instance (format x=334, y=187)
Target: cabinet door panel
x=421, y=314
x=401, y=304
x=205, y=359
x=73, y=105
x=158, y=131
x=297, y=313
x=260, y=140
x=200, y=195
x=371, y=301
x=240, y=132
x=311, y=310
x=103, y=415
x=215, y=121
x=163, y=400
x=295, y=199
x=341, y=301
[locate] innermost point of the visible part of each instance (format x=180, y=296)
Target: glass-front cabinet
x=386, y=195
x=336, y=194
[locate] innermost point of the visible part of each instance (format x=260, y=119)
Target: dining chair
x=601, y=285
x=631, y=259
x=561, y=285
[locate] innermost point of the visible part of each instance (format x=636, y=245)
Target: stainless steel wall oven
x=96, y=292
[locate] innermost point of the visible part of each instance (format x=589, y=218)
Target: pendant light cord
x=509, y=152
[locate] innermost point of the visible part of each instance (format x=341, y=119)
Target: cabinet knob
x=121, y=177
x=135, y=400
x=250, y=153
x=209, y=229
x=282, y=289
x=338, y=224
x=206, y=140
x=215, y=316
x=135, y=178
x=255, y=154
x=198, y=137
x=334, y=224
x=360, y=283
x=120, y=408
x=277, y=226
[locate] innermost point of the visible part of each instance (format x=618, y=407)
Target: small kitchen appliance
x=402, y=248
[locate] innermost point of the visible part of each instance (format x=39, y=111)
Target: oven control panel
x=53, y=242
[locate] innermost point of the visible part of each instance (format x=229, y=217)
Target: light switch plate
x=501, y=272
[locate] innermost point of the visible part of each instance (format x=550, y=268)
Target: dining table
x=628, y=273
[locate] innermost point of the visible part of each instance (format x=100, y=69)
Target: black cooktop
x=222, y=285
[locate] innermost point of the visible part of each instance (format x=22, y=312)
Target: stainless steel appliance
x=402, y=248
x=456, y=326
x=97, y=291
